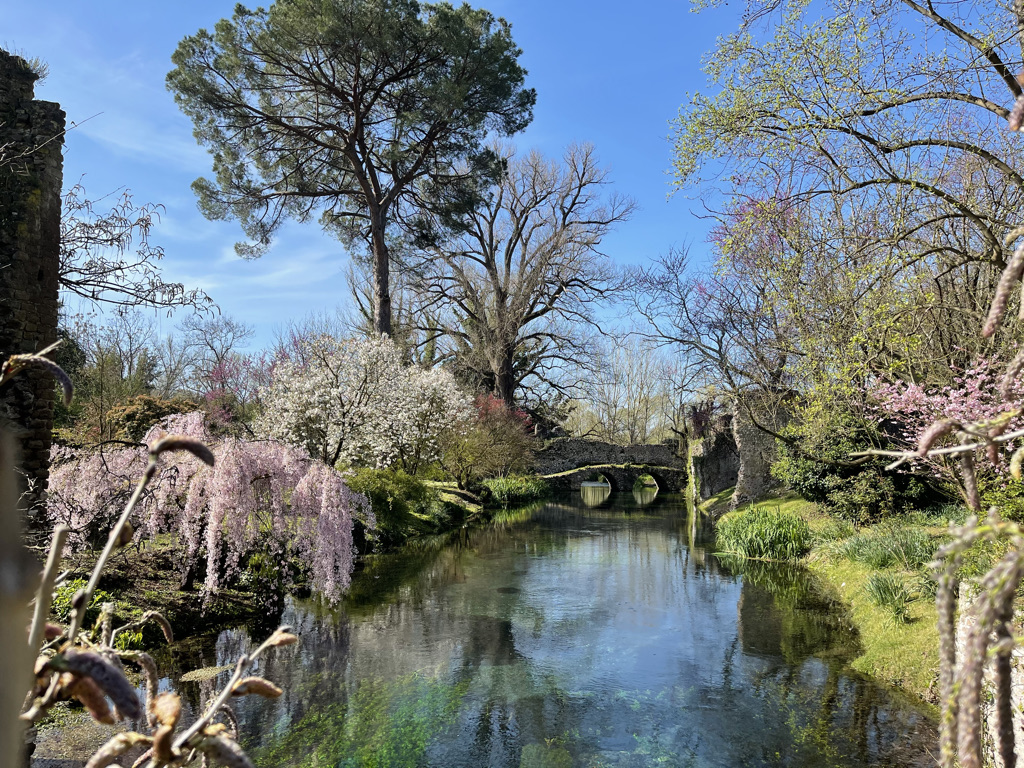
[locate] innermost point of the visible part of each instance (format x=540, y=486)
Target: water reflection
x=644, y=495
x=574, y=636
x=595, y=494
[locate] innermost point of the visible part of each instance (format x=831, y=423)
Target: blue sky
x=611, y=73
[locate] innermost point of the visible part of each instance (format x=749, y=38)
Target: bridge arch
x=621, y=478
x=604, y=477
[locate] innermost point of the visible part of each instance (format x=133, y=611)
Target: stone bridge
x=567, y=463
x=621, y=477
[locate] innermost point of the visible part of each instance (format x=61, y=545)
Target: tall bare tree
x=524, y=272
x=629, y=398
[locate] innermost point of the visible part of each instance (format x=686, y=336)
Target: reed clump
x=764, y=534
x=513, y=490
x=889, y=546
x=889, y=592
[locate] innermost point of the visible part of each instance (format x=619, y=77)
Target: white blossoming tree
x=354, y=401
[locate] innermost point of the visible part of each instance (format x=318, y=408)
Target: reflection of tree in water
x=466, y=651
x=644, y=495
x=798, y=628
x=785, y=611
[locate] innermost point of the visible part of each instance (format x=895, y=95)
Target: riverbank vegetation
x=763, y=533
x=880, y=571
x=865, y=223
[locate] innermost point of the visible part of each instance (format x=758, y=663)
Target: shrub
x=764, y=533
x=860, y=494
x=402, y=504
x=1003, y=492
x=887, y=591
x=65, y=592
x=516, y=489
x=496, y=442
x=133, y=419
x=355, y=401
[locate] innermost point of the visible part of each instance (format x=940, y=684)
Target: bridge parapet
x=567, y=454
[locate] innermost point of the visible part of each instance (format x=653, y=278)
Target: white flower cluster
x=355, y=402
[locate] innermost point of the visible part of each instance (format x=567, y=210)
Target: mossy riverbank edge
x=145, y=576
x=901, y=654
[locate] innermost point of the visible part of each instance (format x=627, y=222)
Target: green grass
x=832, y=529
x=764, y=533
x=890, y=593
x=901, y=654
x=717, y=505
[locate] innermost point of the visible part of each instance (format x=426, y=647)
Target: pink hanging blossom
x=261, y=496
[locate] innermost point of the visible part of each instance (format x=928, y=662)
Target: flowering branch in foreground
x=75, y=663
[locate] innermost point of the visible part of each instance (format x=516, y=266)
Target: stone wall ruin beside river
x=31, y=177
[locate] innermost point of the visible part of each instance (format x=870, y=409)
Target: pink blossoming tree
x=263, y=496
x=977, y=395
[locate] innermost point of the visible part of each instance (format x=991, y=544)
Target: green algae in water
x=205, y=673
x=386, y=724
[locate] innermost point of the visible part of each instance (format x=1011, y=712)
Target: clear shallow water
x=570, y=635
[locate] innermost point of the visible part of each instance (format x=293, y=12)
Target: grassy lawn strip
x=901, y=654
x=905, y=655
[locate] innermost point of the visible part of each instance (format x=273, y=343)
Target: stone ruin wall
x=757, y=452
x=31, y=179
x=714, y=458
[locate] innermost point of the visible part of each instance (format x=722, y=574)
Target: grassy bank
x=879, y=572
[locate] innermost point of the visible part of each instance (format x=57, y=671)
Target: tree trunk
x=504, y=379
x=381, y=275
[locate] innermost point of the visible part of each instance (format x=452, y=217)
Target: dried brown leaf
x=109, y=678
x=257, y=685
x=183, y=443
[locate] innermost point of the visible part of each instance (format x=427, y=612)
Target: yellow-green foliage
x=403, y=505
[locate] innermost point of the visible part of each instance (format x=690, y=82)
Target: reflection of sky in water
x=574, y=637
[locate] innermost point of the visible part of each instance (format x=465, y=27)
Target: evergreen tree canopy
x=356, y=110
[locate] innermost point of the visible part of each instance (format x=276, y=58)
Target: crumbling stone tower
x=31, y=177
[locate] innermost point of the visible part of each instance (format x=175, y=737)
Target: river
x=570, y=635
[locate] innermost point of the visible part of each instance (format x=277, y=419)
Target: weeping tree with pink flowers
x=262, y=499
